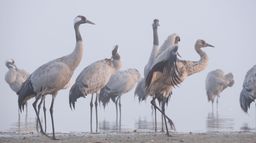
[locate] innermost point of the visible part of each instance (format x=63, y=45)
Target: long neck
x=73, y=59
x=200, y=65
x=155, y=36
x=77, y=32
x=155, y=49
x=117, y=64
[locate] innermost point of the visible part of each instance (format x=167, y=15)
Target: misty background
x=35, y=32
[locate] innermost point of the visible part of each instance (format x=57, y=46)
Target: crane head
x=177, y=39
x=81, y=19
x=174, y=39
x=10, y=64
x=115, y=55
x=202, y=44
x=155, y=24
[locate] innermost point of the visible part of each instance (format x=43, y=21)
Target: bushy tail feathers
x=210, y=96
x=75, y=93
x=245, y=100
x=25, y=93
x=104, y=96
x=140, y=90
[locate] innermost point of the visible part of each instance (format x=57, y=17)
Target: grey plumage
x=140, y=90
x=26, y=92
x=15, y=77
x=120, y=83
x=92, y=79
x=216, y=82
x=54, y=75
x=248, y=93
x=76, y=93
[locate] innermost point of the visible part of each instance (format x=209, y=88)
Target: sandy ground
x=132, y=137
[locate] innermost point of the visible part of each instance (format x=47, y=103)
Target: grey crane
x=167, y=74
x=248, y=93
x=119, y=84
x=92, y=79
x=15, y=77
x=53, y=76
x=216, y=81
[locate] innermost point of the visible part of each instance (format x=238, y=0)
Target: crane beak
x=88, y=21
x=209, y=45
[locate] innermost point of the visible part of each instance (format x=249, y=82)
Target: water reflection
x=216, y=122
x=23, y=127
x=140, y=125
x=245, y=127
x=108, y=126
x=145, y=125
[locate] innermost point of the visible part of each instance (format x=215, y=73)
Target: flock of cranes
x=104, y=80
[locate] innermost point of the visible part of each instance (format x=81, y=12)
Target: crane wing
x=140, y=90
x=116, y=86
x=54, y=75
x=247, y=95
x=167, y=67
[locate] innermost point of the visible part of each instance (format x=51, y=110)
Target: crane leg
x=26, y=117
x=217, y=102
x=45, y=123
x=19, y=119
x=169, y=120
x=116, y=115
x=39, y=108
x=162, y=123
x=120, y=113
x=212, y=107
x=51, y=112
x=155, y=114
x=163, y=109
x=162, y=117
x=91, y=105
x=96, y=111
x=37, y=115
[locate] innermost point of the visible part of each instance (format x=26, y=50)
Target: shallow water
x=189, y=117
x=214, y=122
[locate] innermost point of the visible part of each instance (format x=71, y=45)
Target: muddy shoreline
x=132, y=137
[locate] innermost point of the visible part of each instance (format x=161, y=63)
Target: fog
x=35, y=32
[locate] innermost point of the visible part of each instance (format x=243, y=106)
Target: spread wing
x=167, y=67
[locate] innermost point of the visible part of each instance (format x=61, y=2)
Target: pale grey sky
x=35, y=32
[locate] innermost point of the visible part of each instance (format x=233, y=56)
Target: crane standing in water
x=92, y=79
x=157, y=54
x=53, y=76
x=15, y=77
x=248, y=93
x=119, y=84
x=216, y=82
x=170, y=72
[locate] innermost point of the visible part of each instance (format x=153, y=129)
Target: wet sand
x=132, y=137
